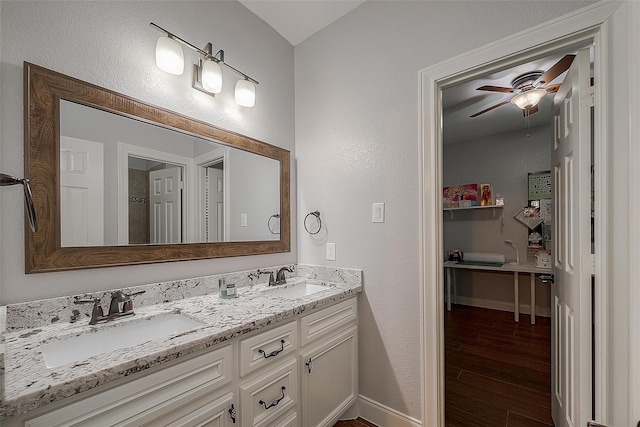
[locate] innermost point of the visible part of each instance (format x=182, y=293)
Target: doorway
x=557, y=35
x=496, y=199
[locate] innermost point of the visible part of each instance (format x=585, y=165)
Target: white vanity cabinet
x=302, y=373
x=329, y=361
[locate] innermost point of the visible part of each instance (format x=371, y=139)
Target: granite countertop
x=29, y=384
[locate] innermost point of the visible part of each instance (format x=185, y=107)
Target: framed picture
x=486, y=195
x=460, y=196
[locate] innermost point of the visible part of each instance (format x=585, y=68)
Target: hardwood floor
x=498, y=372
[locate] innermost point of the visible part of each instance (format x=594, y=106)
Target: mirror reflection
x=127, y=182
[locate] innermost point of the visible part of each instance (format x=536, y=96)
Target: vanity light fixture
x=207, y=73
x=245, y=94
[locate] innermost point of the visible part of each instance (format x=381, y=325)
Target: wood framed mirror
x=69, y=235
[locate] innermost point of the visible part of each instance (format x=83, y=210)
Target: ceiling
x=296, y=20
x=463, y=100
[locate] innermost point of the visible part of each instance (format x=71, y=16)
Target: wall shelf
x=493, y=208
x=473, y=207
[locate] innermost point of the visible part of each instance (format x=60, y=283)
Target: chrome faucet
x=280, y=277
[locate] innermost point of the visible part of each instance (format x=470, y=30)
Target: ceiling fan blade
x=496, y=89
x=490, y=108
x=529, y=111
x=553, y=72
x=552, y=88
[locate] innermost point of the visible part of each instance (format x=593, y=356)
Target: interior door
x=81, y=192
x=571, y=294
x=165, y=200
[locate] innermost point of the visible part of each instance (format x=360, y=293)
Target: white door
x=81, y=192
x=212, y=204
x=571, y=294
x=165, y=200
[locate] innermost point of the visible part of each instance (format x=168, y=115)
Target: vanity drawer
x=290, y=420
x=267, y=347
x=269, y=396
x=324, y=321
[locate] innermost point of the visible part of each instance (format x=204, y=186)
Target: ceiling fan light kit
x=528, y=99
x=530, y=88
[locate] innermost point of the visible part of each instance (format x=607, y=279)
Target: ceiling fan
x=530, y=87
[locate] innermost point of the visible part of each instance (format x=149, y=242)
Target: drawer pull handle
x=309, y=365
x=275, y=401
x=274, y=352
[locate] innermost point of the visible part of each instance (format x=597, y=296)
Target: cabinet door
x=329, y=379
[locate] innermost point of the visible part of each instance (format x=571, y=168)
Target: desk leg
x=533, y=299
x=516, y=311
x=449, y=273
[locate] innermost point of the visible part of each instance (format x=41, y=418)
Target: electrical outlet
x=243, y=220
x=331, y=251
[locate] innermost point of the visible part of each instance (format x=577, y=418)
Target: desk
x=506, y=268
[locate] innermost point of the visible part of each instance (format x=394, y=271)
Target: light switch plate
x=331, y=251
x=377, y=212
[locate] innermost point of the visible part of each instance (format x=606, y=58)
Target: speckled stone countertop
x=29, y=384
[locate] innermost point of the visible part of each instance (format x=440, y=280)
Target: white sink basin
x=73, y=349
x=297, y=290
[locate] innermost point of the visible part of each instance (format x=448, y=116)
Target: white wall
x=357, y=122
x=112, y=45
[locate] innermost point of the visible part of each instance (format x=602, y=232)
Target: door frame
x=586, y=25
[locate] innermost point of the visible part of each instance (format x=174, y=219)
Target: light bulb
x=169, y=56
x=529, y=98
x=245, y=93
x=211, y=76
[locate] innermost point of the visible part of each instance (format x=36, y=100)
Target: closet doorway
x=500, y=56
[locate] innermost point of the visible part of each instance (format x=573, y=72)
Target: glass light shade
x=245, y=93
x=169, y=56
x=211, y=76
x=529, y=98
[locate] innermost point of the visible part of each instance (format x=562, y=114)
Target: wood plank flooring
x=498, y=372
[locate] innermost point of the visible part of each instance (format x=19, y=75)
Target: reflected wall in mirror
x=117, y=181
x=124, y=181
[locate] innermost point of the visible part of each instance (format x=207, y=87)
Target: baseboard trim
x=379, y=414
x=502, y=306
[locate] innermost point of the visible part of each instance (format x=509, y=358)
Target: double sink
x=72, y=349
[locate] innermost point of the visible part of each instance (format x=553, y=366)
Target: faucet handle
x=96, y=312
x=270, y=273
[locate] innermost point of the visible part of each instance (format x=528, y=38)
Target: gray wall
x=112, y=45
x=503, y=160
x=357, y=136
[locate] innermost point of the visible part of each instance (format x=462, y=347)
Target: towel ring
x=317, y=215
x=269, y=223
x=28, y=198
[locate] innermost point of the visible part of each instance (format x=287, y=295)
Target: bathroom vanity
x=274, y=356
